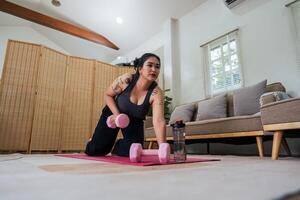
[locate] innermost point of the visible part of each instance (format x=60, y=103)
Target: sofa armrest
x=284, y=111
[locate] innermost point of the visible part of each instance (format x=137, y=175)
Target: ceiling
x=141, y=20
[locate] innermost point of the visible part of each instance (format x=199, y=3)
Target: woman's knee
x=94, y=150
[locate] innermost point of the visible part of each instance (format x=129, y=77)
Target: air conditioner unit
x=232, y=3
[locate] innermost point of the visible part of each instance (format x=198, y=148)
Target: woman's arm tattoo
x=116, y=86
x=156, y=93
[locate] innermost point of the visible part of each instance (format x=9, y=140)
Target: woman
x=131, y=94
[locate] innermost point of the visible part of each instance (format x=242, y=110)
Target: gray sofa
x=207, y=122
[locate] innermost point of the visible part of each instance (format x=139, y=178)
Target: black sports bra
x=131, y=109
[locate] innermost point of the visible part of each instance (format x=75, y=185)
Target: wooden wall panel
x=17, y=98
x=49, y=101
x=77, y=115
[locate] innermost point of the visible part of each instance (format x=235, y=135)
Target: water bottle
x=179, y=141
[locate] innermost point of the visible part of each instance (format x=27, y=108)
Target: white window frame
x=220, y=42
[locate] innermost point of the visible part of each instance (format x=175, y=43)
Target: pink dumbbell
x=121, y=121
x=136, y=152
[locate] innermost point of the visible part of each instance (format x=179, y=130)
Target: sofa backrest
x=270, y=88
x=230, y=108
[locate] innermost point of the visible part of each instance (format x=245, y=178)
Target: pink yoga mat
x=146, y=160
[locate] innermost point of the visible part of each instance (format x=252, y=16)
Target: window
x=222, y=64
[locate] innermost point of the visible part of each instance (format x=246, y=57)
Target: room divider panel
x=17, y=98
x=50, y=101
x=104, y=75
x=78, y=104
x=46, y=128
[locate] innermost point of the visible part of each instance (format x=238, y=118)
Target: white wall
x=161, y=80
x=154, y=43
x=26, y=34
x=267, y=43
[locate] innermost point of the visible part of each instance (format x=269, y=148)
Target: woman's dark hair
x=139, y=62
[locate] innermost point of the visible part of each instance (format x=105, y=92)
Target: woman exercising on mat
x=131, y=94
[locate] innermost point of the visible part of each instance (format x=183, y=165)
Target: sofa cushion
x=223, y=125
x=183, y=112
x=212, y=108
x=230, y=111
x=269, y=88
x=246, y=100
x=266, y=98
x=270, y=97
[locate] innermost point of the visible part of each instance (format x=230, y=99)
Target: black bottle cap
x=178, y=124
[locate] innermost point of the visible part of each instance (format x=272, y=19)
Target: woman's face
x=150, y=69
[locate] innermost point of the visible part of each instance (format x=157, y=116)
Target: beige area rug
x=48, y=177
x=109, y=168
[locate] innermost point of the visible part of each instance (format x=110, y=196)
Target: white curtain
x=207, y=85
x=295, y=8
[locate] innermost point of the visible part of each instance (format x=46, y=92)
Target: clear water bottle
x=179, y=141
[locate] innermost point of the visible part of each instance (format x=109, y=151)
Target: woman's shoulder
x=156, y=95
x=157, y=91
x=126, y=78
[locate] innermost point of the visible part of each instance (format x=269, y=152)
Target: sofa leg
x=260, y=146
x=150, y=145
x=208, y=148
x=286, y=146
x=276, y=144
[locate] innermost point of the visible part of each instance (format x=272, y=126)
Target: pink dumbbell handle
x=150, y=152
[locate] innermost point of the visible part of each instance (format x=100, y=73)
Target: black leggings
x=104, y=137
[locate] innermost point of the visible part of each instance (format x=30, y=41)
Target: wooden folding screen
x=17, y=98
x=48, y=100
x=78, y=104
x=104, y=75
x=46, y=129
